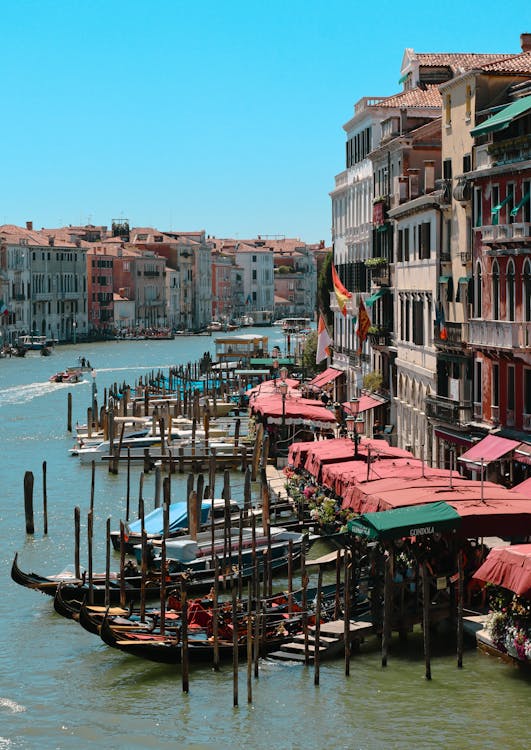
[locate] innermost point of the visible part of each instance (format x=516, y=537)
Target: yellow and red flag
x=362, y=325
x=323, y=341
x=341, y=292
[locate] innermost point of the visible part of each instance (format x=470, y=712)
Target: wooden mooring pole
x=44, y=498
x=28, y=502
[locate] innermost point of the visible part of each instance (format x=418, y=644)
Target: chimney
x=29, y=226
x=51, y=240
x=525, y=42
x=429, y=175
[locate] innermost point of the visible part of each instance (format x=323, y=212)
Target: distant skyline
x=187, y=116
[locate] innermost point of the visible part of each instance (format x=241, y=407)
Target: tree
x=309, y=353
x=324, y=287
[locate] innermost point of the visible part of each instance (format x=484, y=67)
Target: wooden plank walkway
x=331, y=641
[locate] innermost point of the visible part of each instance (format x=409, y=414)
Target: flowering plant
x=509, y=625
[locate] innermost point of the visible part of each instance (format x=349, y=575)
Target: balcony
x=455, y=335
x=498, y=334
x=510, y=150
x=505, y=234
x=379, y=336
x=448, y=411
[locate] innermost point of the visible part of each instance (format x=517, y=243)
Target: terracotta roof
x=422, y=96
x=34, y=237
x=457, y=61
x=519, y=64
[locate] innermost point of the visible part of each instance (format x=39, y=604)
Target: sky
x=222, y=116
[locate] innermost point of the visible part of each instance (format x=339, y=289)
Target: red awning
x=509, y=567
x=523, y=454
x=366, y=403
x=491, y=448
x=524, y=488
x=325, y=377
x=298, y=452
x=294, y=410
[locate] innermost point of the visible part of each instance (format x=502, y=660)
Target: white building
x=256, y=262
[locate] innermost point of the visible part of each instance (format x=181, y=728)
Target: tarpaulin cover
x=418, y=520
x=294, y=410
x=524, y=488
x=489, y=449
x=298, y=452
x=509, y=567
x=342, y=449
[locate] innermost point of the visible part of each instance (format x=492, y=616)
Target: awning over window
x=444, y=279
x=366, y=403
x=502, y=119
x=457, y=438
x=369, y=302
x=491, y=448
x=518, y=206
x=327, y=376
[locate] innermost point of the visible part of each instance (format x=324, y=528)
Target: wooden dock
x=331, y=641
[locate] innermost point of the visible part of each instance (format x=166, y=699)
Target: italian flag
x=323, y=341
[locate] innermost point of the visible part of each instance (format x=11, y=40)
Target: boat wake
x=21, y=394
x=12, y=706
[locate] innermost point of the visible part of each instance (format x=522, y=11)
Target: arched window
x=526, y=290
x=510, y=304
x=477, y=292
x=495, y=291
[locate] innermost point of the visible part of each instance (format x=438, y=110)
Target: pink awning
x=294, y=410
x=491, y=448
x=509, y=567
x=366, y=403
x=327, y=376
x=524, y=488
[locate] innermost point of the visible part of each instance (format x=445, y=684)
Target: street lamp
x=74, y=327
x=283, y=390
x=283, y=374
x=355, y=424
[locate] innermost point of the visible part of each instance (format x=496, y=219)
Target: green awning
x=464, y=279
x=412, y=520
x=444, y=279
x=526, y=197
x=502, y=119
x=269, y=361
x=369, y=302
x=403, y=78
x=499, y=207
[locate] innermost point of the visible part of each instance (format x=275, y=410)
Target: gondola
x=75, y=590
x=167, y=648
x=274, y=607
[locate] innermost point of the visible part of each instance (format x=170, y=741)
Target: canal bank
x=62, y=688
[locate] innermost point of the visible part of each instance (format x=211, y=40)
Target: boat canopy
x=416, y=520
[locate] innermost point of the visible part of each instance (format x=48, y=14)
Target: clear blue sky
x=223, y=116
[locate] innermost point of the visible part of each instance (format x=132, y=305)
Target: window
x=526, y=197
x=406, y=244
x=406, y=327
x=478, y=292
x=477, y=207
x=494, y=203
x=254, y=274
x=510, y=306
x=418, y=322
x=448, y=110
x=495, y=291
x=527, y=391
x=424, y=240
x=526, y=290
x=510, y=388
x=447, y=169
x=509, y=205
x=477, y=383
x=468, y=105
x=400, y=246
x=495, y=395
x=467, y=163
x=254, y=258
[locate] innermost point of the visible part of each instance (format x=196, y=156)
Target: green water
x=61, y=687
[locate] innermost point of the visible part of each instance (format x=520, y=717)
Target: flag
x=323, y=341
x=248, y=300
x=362, y=325
x=441, y=322
x=341, y=292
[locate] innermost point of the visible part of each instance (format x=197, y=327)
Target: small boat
x=67, y=376
x=34, y=343
x=75, y=591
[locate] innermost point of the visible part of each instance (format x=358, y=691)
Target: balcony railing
x=379, y=336
x=455, y=334
x=498, y=334
x=502, y=233
x=478, y=410
x=443, y=409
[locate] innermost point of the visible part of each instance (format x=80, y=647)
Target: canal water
x=61, y=687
